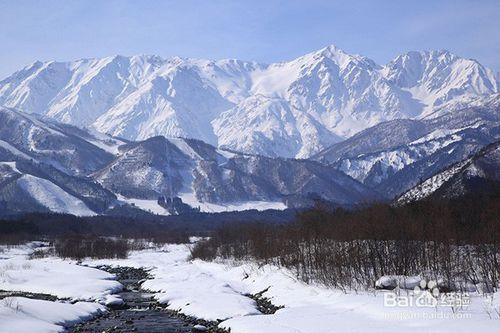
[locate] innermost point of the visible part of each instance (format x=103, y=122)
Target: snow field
x=214, y=290
x=89, y=287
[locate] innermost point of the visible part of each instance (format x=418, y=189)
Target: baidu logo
x=426, y=294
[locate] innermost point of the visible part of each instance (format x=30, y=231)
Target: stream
x=140, y=313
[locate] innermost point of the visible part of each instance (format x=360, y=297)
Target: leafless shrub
x=161, y=238
x=12, y=303
x=41, y=253
x=454, y=241
x=91, y=247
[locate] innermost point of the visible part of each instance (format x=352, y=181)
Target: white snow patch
x=151, y=206
x=104, y=141
x=184, y=147
x=53, y=197
x=62, y=278
x=226, y=154
x=474, y=171
x=12, y=166
x=113, y=300
x=56, y=277
x=190, y=199
x=13, y=150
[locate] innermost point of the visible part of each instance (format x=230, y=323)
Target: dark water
x=140, y=314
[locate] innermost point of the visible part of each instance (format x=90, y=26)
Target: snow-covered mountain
x=478, y=174
x=290, y=109
x=394, y=156
x=193, y=170
x=395, y=170
x=45, y=166
x=48, y=166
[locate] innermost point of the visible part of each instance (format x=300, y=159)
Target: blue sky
x=264, y=31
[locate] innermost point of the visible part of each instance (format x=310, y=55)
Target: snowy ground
x=190, y=199
x=215, y=291
x=152, y=206
x=84, y=289
x=20, y=314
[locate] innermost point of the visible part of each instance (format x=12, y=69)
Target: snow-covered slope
x=436, y=77
x=26, y=187
x=64, y=147
x=430, y=185
x=382, y=136
x=394, y=156
x=393, y=171
x=53, y=197
x=390, y=161
x=213, y=179
x=291, y=109
x=477, y=174
x=470, y=112
x=43, y=166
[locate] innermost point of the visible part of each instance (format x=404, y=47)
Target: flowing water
x=140, y=313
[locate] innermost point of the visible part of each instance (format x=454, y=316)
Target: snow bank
x=321, y=319
x=199, y=293
x=315, y=309
x=392, y=281
x=19, y=314
x=113, y=300
x=54, y=276
x=187, y=287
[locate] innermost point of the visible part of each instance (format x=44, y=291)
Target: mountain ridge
x=293, y=108
x=477, y=175
x=47, y=166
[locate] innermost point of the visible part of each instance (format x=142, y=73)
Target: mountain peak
x=433, y=56
x=337, y=55
x=331, y=51
x=438, y=76
x=332, y=48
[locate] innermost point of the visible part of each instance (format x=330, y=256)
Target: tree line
x=456, y=241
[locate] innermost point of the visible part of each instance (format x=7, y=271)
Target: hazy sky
x=264, y=31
